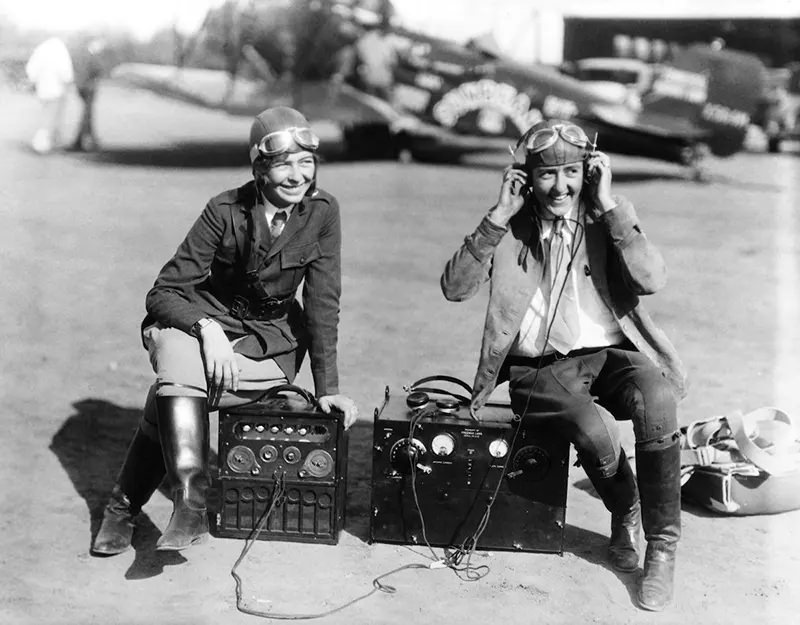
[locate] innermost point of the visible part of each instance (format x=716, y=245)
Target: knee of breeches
x=598, y=451
x=651, y=405
x=603, y=466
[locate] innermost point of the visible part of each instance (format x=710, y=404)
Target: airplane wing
x=218, y=90
x=208, y=88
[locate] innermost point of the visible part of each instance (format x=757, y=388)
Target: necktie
x=562, y=314
x=277, y=225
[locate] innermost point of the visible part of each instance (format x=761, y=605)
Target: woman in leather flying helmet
x=568, y=262
x=223, y=324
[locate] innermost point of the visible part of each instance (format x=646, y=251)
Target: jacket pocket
x=300, y=256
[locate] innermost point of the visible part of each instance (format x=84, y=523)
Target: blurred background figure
x=89, y=66
x=369, y=60
x=50, y=71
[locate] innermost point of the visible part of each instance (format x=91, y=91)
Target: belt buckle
x=240, y=307
x=268, y=305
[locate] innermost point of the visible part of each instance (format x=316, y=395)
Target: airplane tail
x=716, y=90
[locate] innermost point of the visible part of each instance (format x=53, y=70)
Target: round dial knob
x=533, y=461
x=443, y=444
x=319, y=463
x=406, y=453
x=268, y=453
x=498, y=448
x=291, y=455
x=241, y=459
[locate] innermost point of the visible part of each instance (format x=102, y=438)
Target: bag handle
x=774, y=464
x=698, y=446
x=274, y=391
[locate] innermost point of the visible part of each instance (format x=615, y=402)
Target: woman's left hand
x=598, y=172
x=341, y=403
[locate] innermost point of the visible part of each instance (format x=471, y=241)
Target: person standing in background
x=89, y=66
x=50, y=70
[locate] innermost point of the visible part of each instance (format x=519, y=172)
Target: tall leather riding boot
x=621, y=498
x=183, y=429
x=659, y=475
x=141, y=473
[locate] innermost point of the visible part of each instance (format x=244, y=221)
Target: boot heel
x=656, y=588
x=187, y=527
x=116, y=530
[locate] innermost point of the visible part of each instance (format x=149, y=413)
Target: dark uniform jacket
x=208, y=268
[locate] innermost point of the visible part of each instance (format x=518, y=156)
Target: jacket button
x=302, y=259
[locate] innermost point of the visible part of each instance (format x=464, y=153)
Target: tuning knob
x=405, y=454
x=531, y=461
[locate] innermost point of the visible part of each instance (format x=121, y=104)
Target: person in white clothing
x=50, y=71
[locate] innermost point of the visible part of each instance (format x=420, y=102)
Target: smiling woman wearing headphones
x=568, y=261
x=223, y=324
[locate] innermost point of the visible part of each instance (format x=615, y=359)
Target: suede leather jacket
x=623, y=265
x=201, y=280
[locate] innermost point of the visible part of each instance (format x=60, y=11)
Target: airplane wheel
x=773, y=145
x=695, y=159
x=405, y=156
x=701, y=174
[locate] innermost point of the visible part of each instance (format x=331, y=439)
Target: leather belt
x=261, y=309
x=538, y=362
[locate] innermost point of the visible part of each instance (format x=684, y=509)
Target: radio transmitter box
x=439, y=476
x=289, y=445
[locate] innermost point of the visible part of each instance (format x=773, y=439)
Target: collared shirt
x=598, y=326
x=270, y=211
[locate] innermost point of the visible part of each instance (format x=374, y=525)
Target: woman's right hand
x=512, y=195
x=222, y=372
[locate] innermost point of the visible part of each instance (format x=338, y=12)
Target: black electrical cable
x=276, y=501
x=454, y=557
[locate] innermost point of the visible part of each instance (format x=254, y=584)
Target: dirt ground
x=82, y=240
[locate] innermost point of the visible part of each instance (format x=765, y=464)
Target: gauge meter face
x=498, y=448
x=443, y=444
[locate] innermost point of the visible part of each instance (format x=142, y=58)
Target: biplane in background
x=450, y=99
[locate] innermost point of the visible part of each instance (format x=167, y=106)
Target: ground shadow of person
x=91, y=446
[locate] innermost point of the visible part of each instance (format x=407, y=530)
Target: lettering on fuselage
x=560, y=108
x=681, y=85
x=721, y=114
x=485, y=94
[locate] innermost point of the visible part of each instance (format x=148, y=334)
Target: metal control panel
x=435, y=467
x=275, y=443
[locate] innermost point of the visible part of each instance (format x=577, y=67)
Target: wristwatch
x=199, y=325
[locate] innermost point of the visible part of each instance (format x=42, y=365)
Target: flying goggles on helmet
x=281, y=141
x=539, y=140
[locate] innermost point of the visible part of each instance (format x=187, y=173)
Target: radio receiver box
x=284, y=444
x=439, y=476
